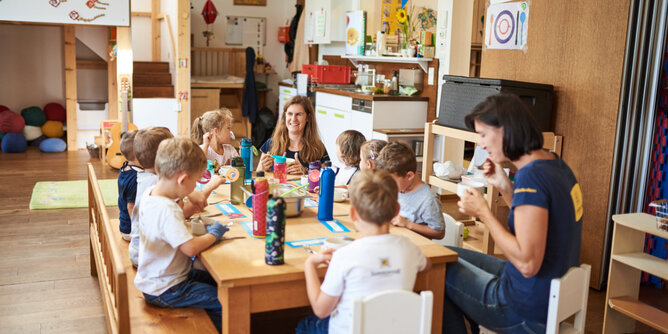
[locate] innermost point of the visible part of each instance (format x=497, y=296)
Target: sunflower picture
x=353, y=36
x=402, y=16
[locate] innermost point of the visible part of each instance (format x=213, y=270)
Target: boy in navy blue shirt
x=127, y=183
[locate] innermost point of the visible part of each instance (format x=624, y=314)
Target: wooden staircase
x=152, y=79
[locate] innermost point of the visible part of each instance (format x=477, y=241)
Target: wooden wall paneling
x=430, y=91
x=577, y=46
x=182, y=85
x=70, y=57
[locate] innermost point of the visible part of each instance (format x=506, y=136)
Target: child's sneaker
x=126, y=236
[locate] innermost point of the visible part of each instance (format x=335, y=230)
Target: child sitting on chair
x=165, y=274
x=146, y=145
x=377, y=261
x=127, y=183
x=420, y=208
x=348, y=151
x=213, y=132
x=369, y=151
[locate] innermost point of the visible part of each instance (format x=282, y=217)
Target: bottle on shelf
x=394, y=85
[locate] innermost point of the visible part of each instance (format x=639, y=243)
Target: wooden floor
x=45, y=282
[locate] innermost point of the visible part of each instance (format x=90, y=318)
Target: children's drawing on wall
x=507, y=26
x=96, y=12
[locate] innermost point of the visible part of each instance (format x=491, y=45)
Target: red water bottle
x=260, y=195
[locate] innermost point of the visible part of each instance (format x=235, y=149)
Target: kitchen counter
x=370, y=97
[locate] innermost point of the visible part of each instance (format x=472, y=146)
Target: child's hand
x=216, y=181
x=295, y=167
x=217, y=230
x=322, y=257
x=266, y=161
x=400, y=221
x=206, y=139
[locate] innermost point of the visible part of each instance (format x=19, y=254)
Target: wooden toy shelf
x=627, y=261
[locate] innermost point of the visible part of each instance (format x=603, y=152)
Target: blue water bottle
x=326, y=193
x=247, y=154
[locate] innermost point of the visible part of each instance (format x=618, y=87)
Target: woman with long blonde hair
x=296, y=136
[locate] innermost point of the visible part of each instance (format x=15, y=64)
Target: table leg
x=236, y=309
x=436, y=284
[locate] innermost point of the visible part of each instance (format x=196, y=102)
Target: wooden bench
x=124, y=305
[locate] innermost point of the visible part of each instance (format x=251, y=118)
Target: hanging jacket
x=249, y=100
x=292, y=33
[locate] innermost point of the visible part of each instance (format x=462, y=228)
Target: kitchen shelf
x=627, y=261
x=640, y=311
x=423, y=62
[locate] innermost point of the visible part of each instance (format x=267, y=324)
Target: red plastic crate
x=327, y=74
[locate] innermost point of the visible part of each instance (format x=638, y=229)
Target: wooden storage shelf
x=640, y=311
x=645, y=262
x=627, y=261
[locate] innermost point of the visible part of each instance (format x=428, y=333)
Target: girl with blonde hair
x=296, y=136
x=213, y=132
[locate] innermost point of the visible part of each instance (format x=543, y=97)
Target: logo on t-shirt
x=385, y=263
x=525, y=190
x=576, y=196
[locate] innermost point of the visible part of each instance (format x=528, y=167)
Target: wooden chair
x=393, y=312
x=105, y=260
x=454, y=232
x=568, y=297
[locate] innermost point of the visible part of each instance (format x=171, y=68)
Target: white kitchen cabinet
x=337, y=113
x=284, y=94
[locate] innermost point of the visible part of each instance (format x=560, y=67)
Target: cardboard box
x=426, y=38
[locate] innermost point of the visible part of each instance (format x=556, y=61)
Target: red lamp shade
x=209, y=12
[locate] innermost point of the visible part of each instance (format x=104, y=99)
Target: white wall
x=277, y=12
x=31, y=66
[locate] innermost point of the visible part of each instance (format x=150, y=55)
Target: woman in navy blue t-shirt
x=545, y=227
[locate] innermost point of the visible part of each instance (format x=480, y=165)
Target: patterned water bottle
x=236, y=193
x=260, y=194
x=326, y=193
x=313, y=175
x=280, y=174
x=275, y=241
x=246, y=152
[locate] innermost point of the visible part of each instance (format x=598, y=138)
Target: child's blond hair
x=177, y=155
x=208, y=121
x=397, y=158
x=146, y=144
x=349, y=143
x=371, y=149
x=373, y=194
x=128, y=144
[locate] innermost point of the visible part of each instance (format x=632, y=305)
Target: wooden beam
x=182, y=86
x=155, y=30
x=141, y=14
x=88, y=64
x=171, y=37
x=112, y=90
x=70, y=56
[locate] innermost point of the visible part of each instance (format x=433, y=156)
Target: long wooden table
x=247, y=285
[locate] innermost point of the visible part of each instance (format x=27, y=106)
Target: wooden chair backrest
x=393, y=311
x=552, y=142
x=218, y=61
x=106, y=260
x=568, y=296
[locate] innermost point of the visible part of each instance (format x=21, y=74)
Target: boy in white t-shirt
x=146, y=145
x=377, y=261
x=165, y=274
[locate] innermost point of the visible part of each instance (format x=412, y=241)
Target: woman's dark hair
x=520, y=134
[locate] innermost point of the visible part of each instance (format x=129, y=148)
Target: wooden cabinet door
x=203, y=100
